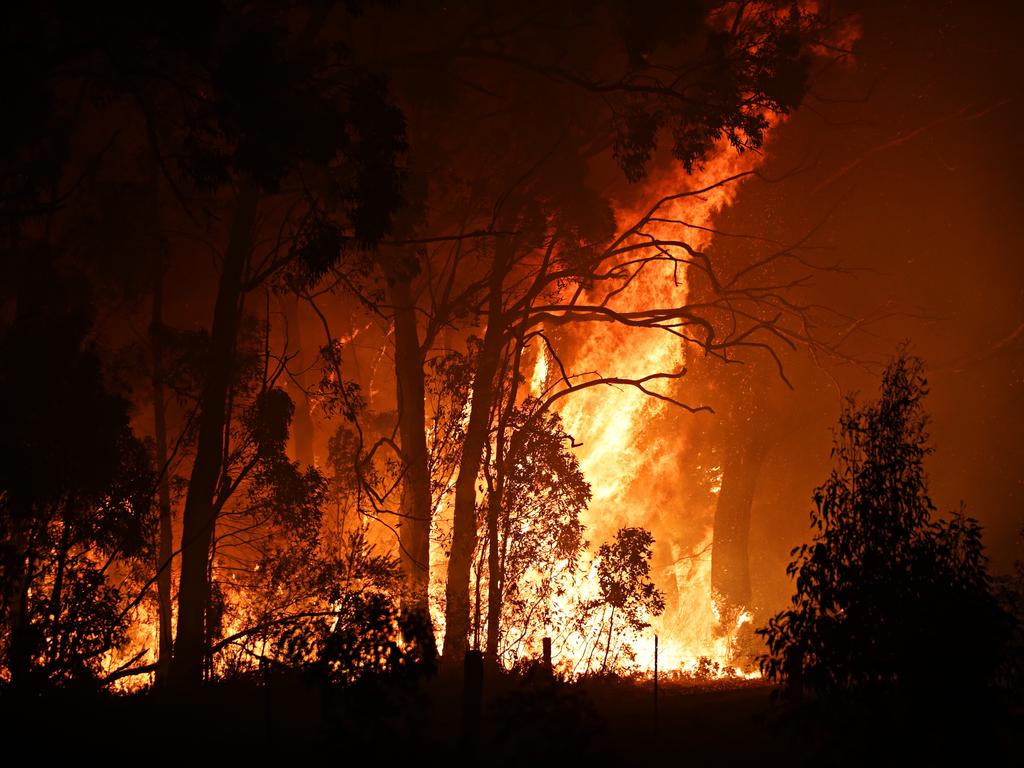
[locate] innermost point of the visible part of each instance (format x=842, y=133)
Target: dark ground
x=598, y=722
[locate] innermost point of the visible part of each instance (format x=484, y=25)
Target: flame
x=538, y=382
x=632, y=444
x=630, y=447
x=630, y=452
x=139, y=650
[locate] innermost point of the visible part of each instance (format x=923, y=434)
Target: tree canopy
x=75, y=490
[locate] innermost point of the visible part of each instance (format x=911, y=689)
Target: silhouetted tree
x=280, y=96
x=1010, y=588
x=623, y=574
x=886, y=597
x=536, y=493
x=232, y=103
x=75, y=491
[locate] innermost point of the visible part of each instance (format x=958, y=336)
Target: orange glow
x=632, y=444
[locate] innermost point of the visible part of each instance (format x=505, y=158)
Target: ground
x=524, y=722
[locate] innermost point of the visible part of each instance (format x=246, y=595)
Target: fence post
x=655, y=684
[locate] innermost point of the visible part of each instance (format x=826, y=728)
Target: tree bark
x=494, y=573
x=505, y=450
x=730, y=556
x=198, y=518
x=414, y=528
x=302, y=424
x=165, y=541
x=464, y=527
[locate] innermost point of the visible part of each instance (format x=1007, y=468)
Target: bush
x=887, y=599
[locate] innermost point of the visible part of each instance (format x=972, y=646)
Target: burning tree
x=511, y=240
x=556, y=256
x=330, y=610
x=884, y=592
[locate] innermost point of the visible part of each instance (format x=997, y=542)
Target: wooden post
x=655, y=684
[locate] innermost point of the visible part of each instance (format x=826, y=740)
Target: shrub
x=886, y=597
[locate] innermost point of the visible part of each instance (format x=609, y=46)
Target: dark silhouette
x=75, y=491
x=885, y=593
x=623, y=572
x=534, y=537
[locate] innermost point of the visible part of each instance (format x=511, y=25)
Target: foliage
x=757, y=67
x=332, y=612
x=1010, y=589
x=540, y=534
x=623, y=574
x=886, y=598
x=75, y=487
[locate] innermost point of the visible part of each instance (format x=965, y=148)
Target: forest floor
x=522, y=722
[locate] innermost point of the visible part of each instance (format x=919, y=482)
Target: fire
x=139, y=650
x=632, y=444
x=630, y=449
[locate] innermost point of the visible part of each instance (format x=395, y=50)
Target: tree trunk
x=165, y=536
x=20, y=645
x=464, y=528
x=302, y=424
x=730, y=556
x=164, y=553
x=506, y=450
x=608, y=645
x=414, y=527
x=494, y=572
x=476, y=603
x=55, y=651
x=198, y=518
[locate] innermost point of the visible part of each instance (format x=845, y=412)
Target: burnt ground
x=523, y=722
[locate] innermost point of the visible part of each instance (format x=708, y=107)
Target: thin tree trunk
x=476, y=603
x=494, y=585
x=464, y=527
x=503, y=455
x=198, y=518
x=593, y=648
x=20, y=649
x=608, y=645
x=164, y=553
x=302, y=424
x=414, y=530
x=57, y=593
